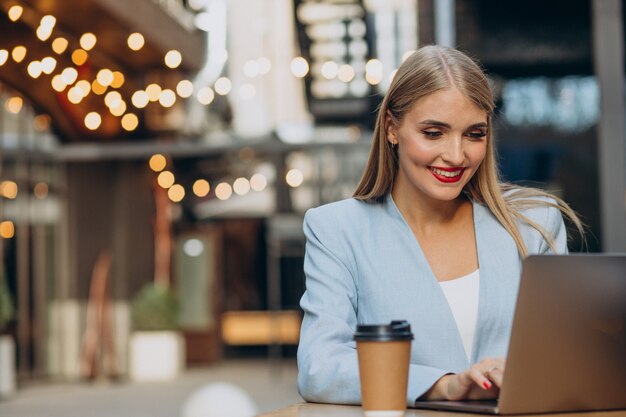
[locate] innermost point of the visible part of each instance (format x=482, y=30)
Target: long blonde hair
x=433, y=68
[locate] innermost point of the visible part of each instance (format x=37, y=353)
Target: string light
x=58, y=84
x=173, y=58
x=19, y=53
x=241, y=186
x=201, y=188
x=59, y=45
x=14, y=105
x=118, y=79
x=130, y=122
x=135, y=41
x=294, y=178
x=98, y=88
x=105, y=77
x=157, y=162
x=299, y=67
x=176, y=193
x=184, y=88
x=223, y=86
x=4, y=56
x=93, y=120
x=206, y=95
x=34, y=69
x=140, y=99
x=345, y=73
x=88, y=41
x=167, y=98
x=166, y=179
x=84, y=86
x=154, y=92
x=7, y=229
x=79, y=57
x=9, y=189
x=374, y=71
x=223, y=191
x=69, y=75
x=46, y=25
x=258, y=182
x=48, y=64
x=15, y=12
x=112, y=99
x=119, y=109
x=75, y=95
x=330, y=70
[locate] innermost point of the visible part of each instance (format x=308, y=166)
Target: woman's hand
x=481, y=381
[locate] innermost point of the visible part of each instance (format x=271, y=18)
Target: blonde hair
x=433, y=68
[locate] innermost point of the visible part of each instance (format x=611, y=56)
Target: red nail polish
x=486, y=385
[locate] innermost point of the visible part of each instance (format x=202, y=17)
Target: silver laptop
x=568, y=343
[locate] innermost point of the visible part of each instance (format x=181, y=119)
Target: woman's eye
x=477, y=135
x=432, y=133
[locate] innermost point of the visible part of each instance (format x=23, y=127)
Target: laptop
x=567, y=350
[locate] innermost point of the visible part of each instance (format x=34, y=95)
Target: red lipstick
x=447, y=179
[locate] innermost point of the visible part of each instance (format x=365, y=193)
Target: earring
x=394, y=145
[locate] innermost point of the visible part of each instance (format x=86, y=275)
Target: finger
x=479, y=379
x=496, y=375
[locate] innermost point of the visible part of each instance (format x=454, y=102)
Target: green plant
x=155, y=308
x=7, y=310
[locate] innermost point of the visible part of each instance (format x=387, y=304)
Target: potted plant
x=7, y=344
x=156, y=346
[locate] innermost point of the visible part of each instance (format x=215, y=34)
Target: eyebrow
x=446, y=125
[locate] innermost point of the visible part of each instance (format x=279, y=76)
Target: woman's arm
x=327, y=359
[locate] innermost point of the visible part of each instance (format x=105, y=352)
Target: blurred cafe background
x=157, y=158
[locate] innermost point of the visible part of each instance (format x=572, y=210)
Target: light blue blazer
x=364, y=265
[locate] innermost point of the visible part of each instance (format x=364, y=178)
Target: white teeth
x=447, y=174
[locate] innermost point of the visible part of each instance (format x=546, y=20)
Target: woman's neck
x=424, y=212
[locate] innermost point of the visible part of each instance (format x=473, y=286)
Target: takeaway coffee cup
x=384, y=352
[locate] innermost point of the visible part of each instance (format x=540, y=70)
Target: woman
x=431, y=235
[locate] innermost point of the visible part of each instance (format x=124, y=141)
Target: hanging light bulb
x=173, y=59
x=48, y=64
x=184, y=88
x=130, y=122
x=15, y=12
x=69, y=75
x=140, y=99
x=34, y=69
x=79, y=57
x=93, y=120
x=88, y=41
x=18, y=53
x=135, y=41
x=59, y=45
x=105, y=77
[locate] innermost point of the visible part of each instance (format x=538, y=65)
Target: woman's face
x=442, y=141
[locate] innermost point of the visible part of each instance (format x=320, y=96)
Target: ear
x=390, y=129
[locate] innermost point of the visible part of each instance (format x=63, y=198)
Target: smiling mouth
x=447, y=175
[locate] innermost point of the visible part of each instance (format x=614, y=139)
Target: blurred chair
x=219, y=400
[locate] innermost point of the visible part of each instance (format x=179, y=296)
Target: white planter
x=7, y=366
x=156, y=356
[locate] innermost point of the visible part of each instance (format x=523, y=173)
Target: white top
x=462, y=295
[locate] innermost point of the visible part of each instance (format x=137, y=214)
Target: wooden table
x=330, y=410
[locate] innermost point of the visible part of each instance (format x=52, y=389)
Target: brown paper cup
x=384, y=372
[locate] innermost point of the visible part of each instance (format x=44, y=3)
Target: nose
x=454, y=153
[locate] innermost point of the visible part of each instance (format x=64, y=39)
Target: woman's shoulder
x=538, y=206
x=342, y=211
